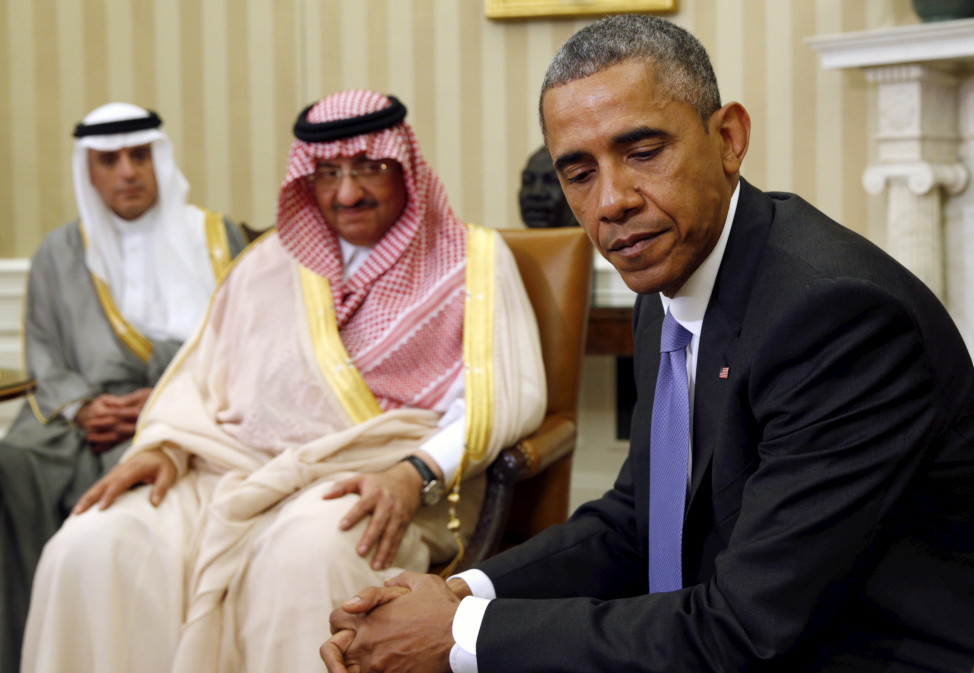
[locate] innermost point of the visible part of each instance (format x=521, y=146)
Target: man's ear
x=733, y=124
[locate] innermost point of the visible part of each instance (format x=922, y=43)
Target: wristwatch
x=432, y=488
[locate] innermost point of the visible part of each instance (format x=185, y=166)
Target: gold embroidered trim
x=217, y=243
x=133, y=339
x=336, y=365
x=478, y=348
x=478, y=339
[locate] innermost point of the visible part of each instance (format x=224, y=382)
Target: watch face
x=432, y=493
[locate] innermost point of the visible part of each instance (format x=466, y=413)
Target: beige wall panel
x=119, y=39
x=444, y=153
x=46, y=95
x=23, y=209
x=167, y=99
x=221, y=103
x=803, y=127
x=424, y=102
x=8, y=228
x=830, y=179
x=143, y=58
x=778, y=108
x=853, y=149
x=286, y=98
x=401, y=35
x=468, y=200
x=190, y=149
x=68, y=18
x=254, y=192
x=94, y=29
x=356, y=28
x=228, y=77
x=495, y=193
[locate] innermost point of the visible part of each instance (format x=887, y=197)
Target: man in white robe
x=370, y=351
x=110, y=298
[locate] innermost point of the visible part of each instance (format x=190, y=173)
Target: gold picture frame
x=529, y=9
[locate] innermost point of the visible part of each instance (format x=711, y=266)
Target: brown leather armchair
x=528, y=484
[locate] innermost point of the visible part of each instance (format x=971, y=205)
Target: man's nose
x=618, y=195
x=125, y=166
x=349, y=191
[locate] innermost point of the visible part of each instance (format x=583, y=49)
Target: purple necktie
x=668, y=453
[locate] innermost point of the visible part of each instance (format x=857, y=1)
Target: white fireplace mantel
x=923, y=147
x=940, y=41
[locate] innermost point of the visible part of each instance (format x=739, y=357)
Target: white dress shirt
x=688, y=308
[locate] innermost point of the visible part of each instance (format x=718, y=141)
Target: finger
x=343, y=487
x=125, y=429
x=120, y=480
x=136, y=397
x=114, y=488
x=372, y=597
x=100, y=447
x=362, y=508
x=388, y=545
x=164, y=479
x=332, y=651
x=90, y=497
x=107, y=402
x=339, y=620
x=375, y=529
x=101, y=423
x=128, y=414
x=103, y=438
x=407, y=578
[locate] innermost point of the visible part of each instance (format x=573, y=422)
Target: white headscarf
x=180, y=270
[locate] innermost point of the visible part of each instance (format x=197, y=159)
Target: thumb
x=164, y=479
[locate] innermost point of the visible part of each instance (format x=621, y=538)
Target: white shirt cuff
x=462, y=661
x=466, y=628
x=446, y=446
x=480, y=585
x=71, y=410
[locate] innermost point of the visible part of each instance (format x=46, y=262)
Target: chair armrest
x=14, y=383
x=554, y=439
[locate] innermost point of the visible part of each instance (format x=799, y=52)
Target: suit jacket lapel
x=722, y=324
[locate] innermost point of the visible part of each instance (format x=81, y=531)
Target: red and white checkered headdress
x=401, y=313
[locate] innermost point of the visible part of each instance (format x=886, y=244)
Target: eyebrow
x=566, y=160
x=639, y=133
x=625, y=138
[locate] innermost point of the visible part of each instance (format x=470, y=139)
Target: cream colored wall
x=228, y=77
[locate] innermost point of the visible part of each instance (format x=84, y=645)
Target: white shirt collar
x=690, y=303
x=352, y=256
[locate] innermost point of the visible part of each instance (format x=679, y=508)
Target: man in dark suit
x=828, y=492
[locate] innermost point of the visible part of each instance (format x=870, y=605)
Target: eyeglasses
x=368, y=172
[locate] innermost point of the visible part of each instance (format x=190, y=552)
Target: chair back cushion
x=556, y=268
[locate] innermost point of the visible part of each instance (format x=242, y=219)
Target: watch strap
x=425, y=473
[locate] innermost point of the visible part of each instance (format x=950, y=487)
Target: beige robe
x=239, y=567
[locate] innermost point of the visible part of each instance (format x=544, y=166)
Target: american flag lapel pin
x=724, y=373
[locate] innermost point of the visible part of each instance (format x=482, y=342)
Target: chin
x=642, y=283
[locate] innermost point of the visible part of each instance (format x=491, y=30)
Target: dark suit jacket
x=830, y=521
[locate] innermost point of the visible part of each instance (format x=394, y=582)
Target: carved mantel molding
x=923, y=147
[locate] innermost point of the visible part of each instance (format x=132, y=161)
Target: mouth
x=358, y=207
x=632, y=246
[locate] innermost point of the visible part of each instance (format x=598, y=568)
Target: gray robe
x=45, y=465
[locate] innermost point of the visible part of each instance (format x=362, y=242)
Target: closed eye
x=578, y=177
x=646, y=155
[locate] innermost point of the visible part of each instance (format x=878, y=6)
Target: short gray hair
x=682, y=65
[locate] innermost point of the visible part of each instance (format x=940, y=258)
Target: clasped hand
x=405, y=626
x=110, y=419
